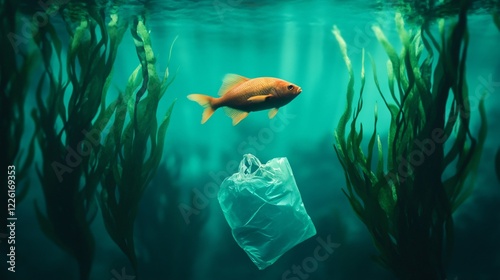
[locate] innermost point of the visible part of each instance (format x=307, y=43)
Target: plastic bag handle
x=250, y=160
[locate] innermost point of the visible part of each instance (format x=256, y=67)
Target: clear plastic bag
x=263, y=207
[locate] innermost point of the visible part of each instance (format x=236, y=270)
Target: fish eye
x=289, y=87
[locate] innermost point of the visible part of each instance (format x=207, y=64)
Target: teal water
x=291, y=40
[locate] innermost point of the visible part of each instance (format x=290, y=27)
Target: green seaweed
x=69, y=130
x=69, y=174
x=15, y=71
x=71, y=120
x=134, y=148
x=407, y=204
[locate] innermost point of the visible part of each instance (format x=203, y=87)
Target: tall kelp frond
x=404, y=197
x=134, y=147
x=15, y=70
x=67, y=137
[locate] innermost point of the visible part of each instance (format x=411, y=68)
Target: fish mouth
x=299, y=90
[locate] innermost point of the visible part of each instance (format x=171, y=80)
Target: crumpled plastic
x=264, y=209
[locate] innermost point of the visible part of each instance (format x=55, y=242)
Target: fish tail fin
x=206, y=102
x=207, y=113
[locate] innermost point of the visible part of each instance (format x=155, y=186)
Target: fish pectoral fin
x=259, y=98
x=236, y=115
x=230, y=81
x=273, y=112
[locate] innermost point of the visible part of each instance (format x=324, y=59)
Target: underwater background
x=169, y=224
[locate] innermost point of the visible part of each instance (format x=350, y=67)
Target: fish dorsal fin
x=230, y=81
x=236, y=115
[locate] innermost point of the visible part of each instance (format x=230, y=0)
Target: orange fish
x=240, y=96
